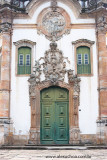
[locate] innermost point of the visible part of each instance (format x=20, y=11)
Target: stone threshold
x=53, y=147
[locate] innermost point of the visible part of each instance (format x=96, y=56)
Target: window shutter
x=24, y=60
x=83, y=60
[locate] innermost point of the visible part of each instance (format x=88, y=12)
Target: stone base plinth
x=74, y=136
x=34, y=136
x=6, y=131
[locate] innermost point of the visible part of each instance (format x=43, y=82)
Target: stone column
x=5, y=78
x=102, y=73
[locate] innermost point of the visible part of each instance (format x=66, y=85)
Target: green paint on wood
x=54, y=116
x=83, y=60
x=24, y=60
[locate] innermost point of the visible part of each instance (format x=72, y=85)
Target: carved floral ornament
x=53, y=22
x=53, y=66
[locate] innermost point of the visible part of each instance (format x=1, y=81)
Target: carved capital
x=6, y=27
x=102, y=23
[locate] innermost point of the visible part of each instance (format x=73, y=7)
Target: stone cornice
x=11, y=8
x=83, y=41
x=25, y=41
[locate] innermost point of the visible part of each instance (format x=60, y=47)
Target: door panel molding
x=54, y=116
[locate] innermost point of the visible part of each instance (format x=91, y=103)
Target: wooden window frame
x=25, y=43
x=85, y=43
x=29, y=60
x=81, y=59
x=85, y=59
x=19, y=59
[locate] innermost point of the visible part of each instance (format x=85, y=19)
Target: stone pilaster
x=102, y=75
x=102, y=62
x=5, y=71
x=5, y=88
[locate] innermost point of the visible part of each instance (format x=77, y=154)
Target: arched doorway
x=54, y=116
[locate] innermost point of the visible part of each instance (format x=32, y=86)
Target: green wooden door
x=54, y=116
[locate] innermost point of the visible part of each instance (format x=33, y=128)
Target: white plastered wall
x=20, y=108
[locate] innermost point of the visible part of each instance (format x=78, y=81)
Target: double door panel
x=54, y=117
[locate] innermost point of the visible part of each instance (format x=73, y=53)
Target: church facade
x=53, y=72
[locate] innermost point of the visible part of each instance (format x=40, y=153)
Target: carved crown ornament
x=54, y=68
x=53, y=22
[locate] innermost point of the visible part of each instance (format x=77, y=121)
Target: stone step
x=40, y=147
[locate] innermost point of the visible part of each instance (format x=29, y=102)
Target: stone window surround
x=87, y=43
x=24, y=43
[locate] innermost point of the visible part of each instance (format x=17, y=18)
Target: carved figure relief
x=53, y=22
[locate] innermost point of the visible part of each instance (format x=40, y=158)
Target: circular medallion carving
x=53, y=22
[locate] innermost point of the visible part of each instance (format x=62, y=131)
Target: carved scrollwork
x=54, y=66
x=37, y=71
x=73, y=79
x=32, y=92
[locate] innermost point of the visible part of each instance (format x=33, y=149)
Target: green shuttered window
x=83, y=60
x=24, y=60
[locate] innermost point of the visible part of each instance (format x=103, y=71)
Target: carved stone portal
x=53, y=67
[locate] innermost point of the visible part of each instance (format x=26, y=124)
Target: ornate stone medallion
x=53, y=22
